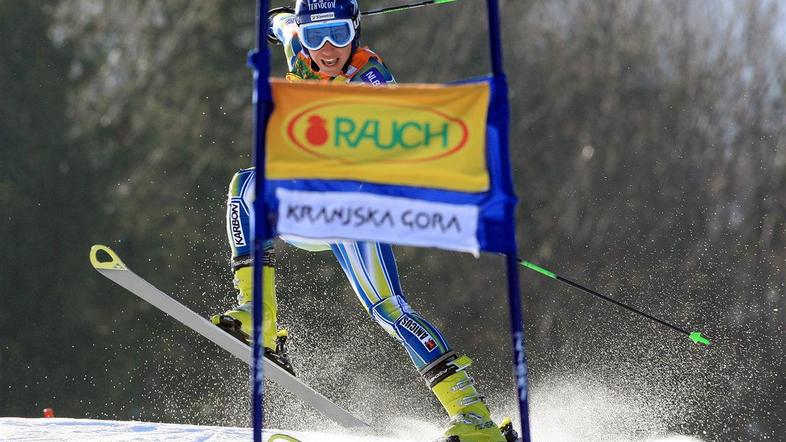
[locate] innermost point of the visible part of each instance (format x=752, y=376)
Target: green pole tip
x=537, y=268
x=697, y=338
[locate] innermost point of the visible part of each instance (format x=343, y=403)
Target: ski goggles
x=339, y=33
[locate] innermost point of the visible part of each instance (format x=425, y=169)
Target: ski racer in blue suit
x=321, y=42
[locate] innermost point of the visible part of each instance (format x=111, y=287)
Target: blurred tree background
x=649, y=148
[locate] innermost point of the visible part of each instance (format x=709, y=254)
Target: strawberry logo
x=317, y=133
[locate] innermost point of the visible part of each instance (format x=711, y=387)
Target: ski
x=282, y=438
x=114, y=269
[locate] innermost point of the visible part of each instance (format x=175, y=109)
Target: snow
x=86, y=430
x=563, y=408
x=60, y=429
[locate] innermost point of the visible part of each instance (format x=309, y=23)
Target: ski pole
x=404, y=7
x=695, y=336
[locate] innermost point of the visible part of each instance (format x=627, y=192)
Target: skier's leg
x=371, y=270
x=240, y=216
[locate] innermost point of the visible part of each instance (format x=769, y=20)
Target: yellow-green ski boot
x=470, y=419
x=239, y=321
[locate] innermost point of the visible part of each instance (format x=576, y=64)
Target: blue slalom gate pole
x=511, y=262
x=259, y=60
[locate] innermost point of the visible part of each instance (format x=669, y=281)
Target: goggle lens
x=314, y=36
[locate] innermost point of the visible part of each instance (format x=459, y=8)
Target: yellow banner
x=413, y=135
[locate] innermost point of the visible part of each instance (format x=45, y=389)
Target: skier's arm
x=374, y=73
x=284, y=29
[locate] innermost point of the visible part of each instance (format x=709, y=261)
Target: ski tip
x=98, y=257
x=282, y=438
x=697, y=338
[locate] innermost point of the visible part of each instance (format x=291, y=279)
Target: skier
x=321, y=42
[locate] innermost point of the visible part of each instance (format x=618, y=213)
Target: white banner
x=368, y=217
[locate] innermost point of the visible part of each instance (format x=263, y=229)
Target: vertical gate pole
x=259, y=60
x=511, y=264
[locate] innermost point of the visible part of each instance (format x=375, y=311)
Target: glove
x=293, y=77
x=271, y=36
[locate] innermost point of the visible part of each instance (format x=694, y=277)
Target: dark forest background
x=649, y=147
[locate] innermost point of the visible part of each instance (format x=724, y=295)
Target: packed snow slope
x=83, y=430
x=58, y=429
